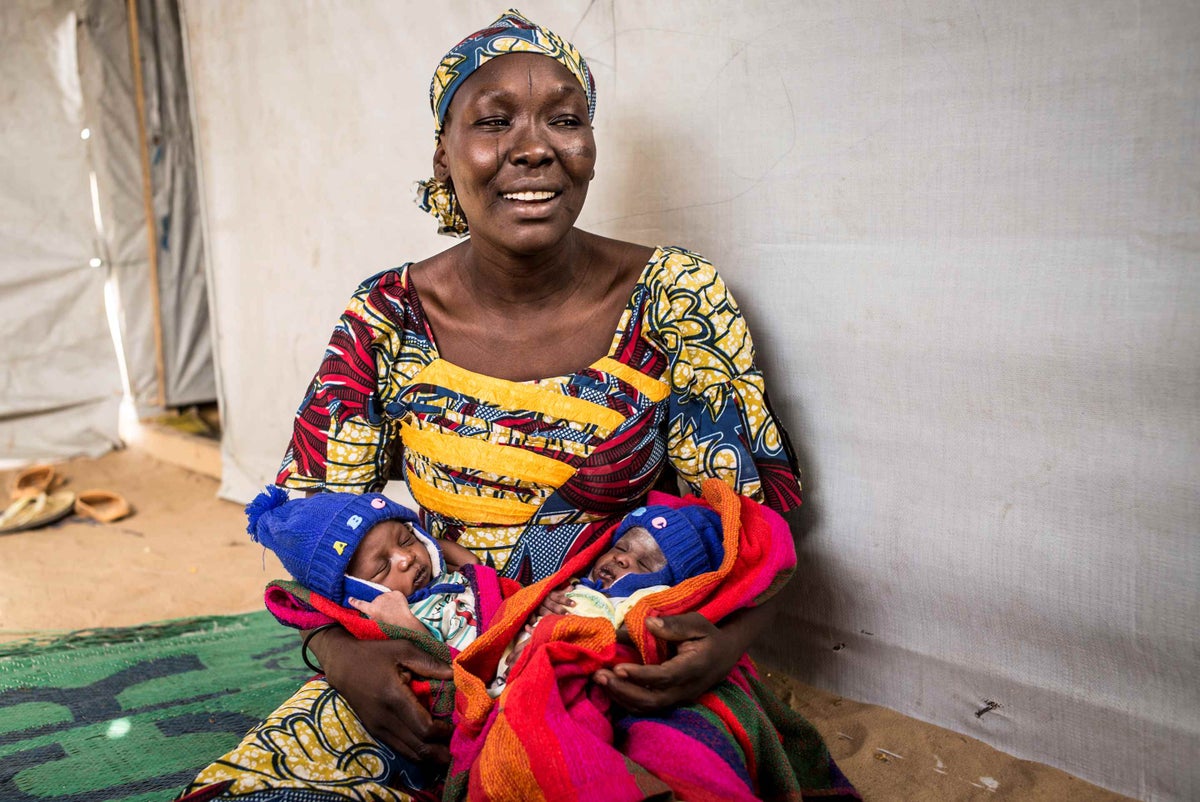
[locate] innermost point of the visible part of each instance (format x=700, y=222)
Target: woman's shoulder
x=674, y=268
x=685, y=283
x=381, y=305
x=660, y=268
x=689, y=307
x=391, y=278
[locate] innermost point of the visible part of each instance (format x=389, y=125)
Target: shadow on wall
x=812, y=596
x=647, y=175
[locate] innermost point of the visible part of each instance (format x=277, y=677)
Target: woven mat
x=133, y=714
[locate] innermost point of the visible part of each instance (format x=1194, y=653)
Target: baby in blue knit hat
x=659, y=545
x=652, y=549
x=370, y=553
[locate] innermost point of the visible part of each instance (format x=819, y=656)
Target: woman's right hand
x=373, y=676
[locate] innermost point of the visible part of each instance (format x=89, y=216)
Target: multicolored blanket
x=554, y=734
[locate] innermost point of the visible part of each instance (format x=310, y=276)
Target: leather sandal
x=35, y=479
x=102, y=505
x=32, y=511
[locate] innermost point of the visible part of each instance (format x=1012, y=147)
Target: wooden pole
x=135, y=56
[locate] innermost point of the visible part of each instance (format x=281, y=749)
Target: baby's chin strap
x=441, y=587
x=437, y=564
x=628, y=584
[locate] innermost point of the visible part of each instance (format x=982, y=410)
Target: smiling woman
x=532, y=384
x=518, y=150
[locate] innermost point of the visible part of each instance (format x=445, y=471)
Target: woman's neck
x=500, y=280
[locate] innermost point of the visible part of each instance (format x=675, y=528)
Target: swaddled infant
x=370, y=553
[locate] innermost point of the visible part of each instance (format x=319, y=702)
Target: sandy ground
x=184, y=553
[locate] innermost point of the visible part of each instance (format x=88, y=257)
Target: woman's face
x=518, y=148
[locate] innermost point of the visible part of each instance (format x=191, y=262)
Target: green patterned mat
x=133, y=714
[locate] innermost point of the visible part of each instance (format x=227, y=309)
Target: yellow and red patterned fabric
x=527, y=473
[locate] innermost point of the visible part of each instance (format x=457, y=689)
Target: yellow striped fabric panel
x=470, y=453
x=654, y=389
x=467, y=508
x=502, y=436
x=519, y=395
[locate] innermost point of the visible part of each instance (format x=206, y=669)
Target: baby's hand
x=519, y=643
x=556, y=603
x=388, y=608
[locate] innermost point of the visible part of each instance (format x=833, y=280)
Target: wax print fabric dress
x=525, y=474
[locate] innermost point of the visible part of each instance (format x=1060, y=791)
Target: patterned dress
x=526, y=473
x=523, y=473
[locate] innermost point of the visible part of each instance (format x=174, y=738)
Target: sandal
x=35, y=479
x=32, y=511
x=102, y=505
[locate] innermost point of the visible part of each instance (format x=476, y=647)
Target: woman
x=531, y=384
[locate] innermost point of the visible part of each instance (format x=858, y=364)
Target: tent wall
x=69, y=67
x=188, y=373
x=170, y=346
x=112, y=117
x=965, y=236
x=59, y=382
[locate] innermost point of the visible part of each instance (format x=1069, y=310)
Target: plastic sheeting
x=189, y=377
x=112, y=111
x=66, y=66
x=965, y=237
x=59, y=382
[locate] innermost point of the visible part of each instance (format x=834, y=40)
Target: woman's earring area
x=457, y=220
x=438, y=198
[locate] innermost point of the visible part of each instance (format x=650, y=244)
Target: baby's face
x=393, y=556
x=636, y=552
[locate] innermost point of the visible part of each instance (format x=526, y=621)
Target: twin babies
x=370, y=553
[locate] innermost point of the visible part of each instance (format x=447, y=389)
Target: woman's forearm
x=373, y=677
x=744, y=626
x=323, y=644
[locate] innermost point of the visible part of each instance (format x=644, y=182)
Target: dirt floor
x=185, y=553
x=182, y=552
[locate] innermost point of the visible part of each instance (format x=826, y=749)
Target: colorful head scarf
x=510, y=33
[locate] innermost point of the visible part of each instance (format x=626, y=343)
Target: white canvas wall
x=59, y=383
x=180, y=329
x=65, y=67
x=966, y=238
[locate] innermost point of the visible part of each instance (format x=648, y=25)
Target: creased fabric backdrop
x=65, y=68
x=59, y=382
x=966, y=238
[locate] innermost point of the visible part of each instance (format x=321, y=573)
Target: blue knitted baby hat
x=315, y=537
x=690, y=538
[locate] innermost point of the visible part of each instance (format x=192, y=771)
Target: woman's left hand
x=704, y=655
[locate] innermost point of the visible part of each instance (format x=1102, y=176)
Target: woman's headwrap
x=510, y=33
